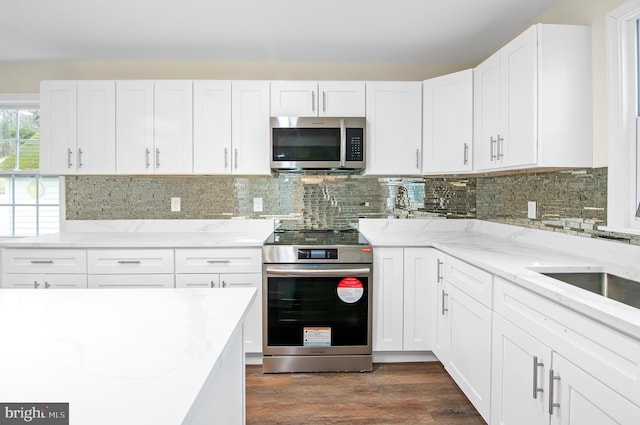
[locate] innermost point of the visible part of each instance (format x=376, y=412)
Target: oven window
x=296, y=303
x=306, y=144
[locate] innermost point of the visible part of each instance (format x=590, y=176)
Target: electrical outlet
x=257, y=204
x=532, y=210
x=175, y=204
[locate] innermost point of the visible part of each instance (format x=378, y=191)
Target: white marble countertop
x=517, y=254
x=152, y=234
x=116, y=356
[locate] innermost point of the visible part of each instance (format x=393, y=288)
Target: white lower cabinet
x=402, y=297
x=226, y=268
x=462, y=328
x=44, y=268
x=583, y=373
x=44, y=281
x=130, y=268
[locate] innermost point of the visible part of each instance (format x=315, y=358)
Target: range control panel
x=317, y=254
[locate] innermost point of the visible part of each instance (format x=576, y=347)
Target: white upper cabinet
x=77, y=127
x=447, y=125
x=533, y=101
x=212, y=127
x=154, y=132
x=250, y=127
x=313, y=99
x=394, y=128
x=134, y=131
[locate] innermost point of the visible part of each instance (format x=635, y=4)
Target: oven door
x=316, y=309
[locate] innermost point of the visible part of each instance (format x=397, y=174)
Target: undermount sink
x=608, y=285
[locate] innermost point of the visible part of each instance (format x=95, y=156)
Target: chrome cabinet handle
x=313, y=101
x=492, y=155
x=129, y=262
x=80, y=164
x=69, y=153
x=418, y=158
x=444, y=309
x=466, y=154
x=324, y=101
x=500, y=145
x=147, y=158
x=35, y=284
x=536, y=365
x=226, y=158
x=47, y=285
x=218, y=261
x=236, y=158
x=551, y=391
x=157, y=157
x=41, y=261
x=213, y=285
x=439, y=271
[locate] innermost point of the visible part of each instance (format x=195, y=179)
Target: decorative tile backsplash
x=569, y=201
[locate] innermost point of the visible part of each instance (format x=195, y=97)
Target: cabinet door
x=441, y=323
x=65, y=281
x=388, y=296
x=583, y=400
x=419, y=300
x=134, y=131
x=394, y=128
x=470, y=348
x=198, y=280
x=130, y=281
x=448, y=123
x=58, y=127
x=23, y=281
x=96, y=153
x=341, y=99
x=294, y=99
x=44, y=281
x=486, y=111
x=519, y=100
x=212, y=127
x=519, y=380
x=250, y=127
x=173, y=127
x=253, y=322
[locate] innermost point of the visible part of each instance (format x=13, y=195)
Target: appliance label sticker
x=317, y=337
x=350, y=290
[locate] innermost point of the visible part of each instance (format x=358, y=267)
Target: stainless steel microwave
x=317, y=143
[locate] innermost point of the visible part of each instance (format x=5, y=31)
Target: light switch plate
x=175, y=204
x=257, y=205
x=532, y=210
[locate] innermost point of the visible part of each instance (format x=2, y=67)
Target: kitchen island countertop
x=126, y=356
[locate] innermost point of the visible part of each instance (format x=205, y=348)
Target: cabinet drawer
x=474, y=282
x=609, y=356
x=130, y=261
x=106, y=281
x=228, y=260
x=44, y=261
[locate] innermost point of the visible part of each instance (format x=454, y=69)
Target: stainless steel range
x=317, y=293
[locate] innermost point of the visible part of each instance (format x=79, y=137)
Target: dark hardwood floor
x=393, y=394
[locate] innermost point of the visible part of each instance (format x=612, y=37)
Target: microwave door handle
x=343, y=144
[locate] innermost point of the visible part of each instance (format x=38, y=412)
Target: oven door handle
x=317, y=272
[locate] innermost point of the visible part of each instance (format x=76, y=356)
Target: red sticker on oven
x=350, y=290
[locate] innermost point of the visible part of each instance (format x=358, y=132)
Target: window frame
x=23, y=101
x=623, y=187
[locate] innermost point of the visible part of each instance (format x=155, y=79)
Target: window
x=623, y=61
x=29, y=203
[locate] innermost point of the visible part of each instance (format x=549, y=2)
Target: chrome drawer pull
x=129, y=262
x=218, y=261
x=41, y=261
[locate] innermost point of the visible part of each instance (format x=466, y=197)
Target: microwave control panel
x=355, y=144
